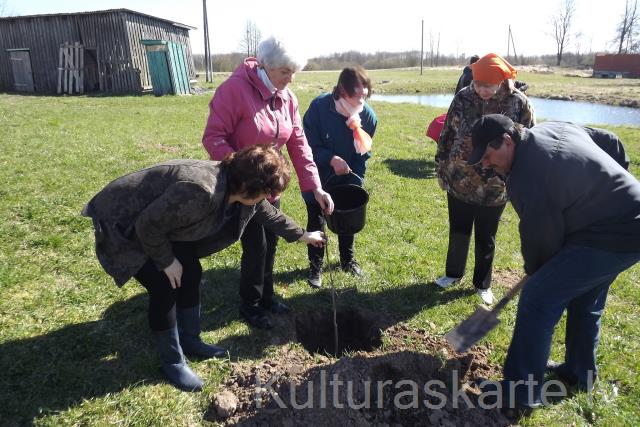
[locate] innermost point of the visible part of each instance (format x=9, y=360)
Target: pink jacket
x=240, y=115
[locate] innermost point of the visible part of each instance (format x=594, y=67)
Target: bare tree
x=438, y=51
x=579, y=47
x=628, y=28
x=251, y=38
x=431, y=43
x=561, y=25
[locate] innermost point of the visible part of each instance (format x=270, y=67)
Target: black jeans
x=256, y=265
x=315, y=222
x=462, y=219
x=163, y=299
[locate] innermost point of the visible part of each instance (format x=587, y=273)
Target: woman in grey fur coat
x=155, y=224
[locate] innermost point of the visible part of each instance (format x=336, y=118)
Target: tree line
x=229, y=61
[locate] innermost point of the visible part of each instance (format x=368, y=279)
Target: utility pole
x=207, y=49
x=509, y=44
x=421, y=46
x=438, y=52
x=515, y=54
x=248, y=42
x=431, y=48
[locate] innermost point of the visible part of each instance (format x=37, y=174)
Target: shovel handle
x=509, y=296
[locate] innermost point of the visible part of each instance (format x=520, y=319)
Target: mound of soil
x=412, y=378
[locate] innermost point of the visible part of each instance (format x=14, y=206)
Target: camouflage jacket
x=472, y=184
x=137, y=216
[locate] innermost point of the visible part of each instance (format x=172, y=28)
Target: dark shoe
x=275, y=306
x=560, y=371
x=315, y=278
x=173, y=364
x=351, y=267
x=517, y=413
x=189, y=332
x=255, y=316
x=493, y=391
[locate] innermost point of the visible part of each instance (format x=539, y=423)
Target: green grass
x=75, y=349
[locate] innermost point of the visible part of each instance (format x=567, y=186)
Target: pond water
x=548, y=109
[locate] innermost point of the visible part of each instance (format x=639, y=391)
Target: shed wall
x=626, y=64
x=121, y=61
x=143, y=28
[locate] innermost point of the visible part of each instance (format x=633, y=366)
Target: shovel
x=480, y=323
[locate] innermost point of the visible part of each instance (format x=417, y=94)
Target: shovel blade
x=471, y=330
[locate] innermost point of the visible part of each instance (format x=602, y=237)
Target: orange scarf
x=362, y=142
x=492, y=69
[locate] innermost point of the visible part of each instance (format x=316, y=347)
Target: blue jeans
x=576, y=279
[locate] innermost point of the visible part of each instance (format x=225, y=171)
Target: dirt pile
x=412, y=378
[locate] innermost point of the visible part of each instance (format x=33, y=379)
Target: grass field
x=76, y=350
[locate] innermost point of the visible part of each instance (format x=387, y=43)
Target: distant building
x=612, y=65
x=89, y=52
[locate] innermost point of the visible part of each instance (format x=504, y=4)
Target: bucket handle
x=333, y=175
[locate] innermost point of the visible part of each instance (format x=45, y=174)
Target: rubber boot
x=173, y=364
x=314, y=279
x=189, y=332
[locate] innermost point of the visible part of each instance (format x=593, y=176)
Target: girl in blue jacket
x=339, y=127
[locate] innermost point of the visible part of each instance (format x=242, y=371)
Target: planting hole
x=356, y=331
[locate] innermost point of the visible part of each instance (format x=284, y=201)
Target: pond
x=548, y=109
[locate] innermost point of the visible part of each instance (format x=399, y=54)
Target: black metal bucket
x=350, y=207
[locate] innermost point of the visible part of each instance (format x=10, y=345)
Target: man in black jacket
x=467, y=76
x=579, y=227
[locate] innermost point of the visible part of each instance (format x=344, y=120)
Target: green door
x=179, y=69
x=159, y=69
x=158, y=59
x=167, y=67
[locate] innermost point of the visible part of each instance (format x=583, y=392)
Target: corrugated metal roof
x=177, y=24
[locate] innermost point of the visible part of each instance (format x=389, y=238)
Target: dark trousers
x=463, y=217
x=163, y=299
x=576, y=279
x=315, y=222
x=256, y=266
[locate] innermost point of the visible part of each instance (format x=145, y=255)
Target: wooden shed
x=612, y=65
x=98, y=51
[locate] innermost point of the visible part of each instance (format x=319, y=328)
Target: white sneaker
x=446, y=281
x=486, y=296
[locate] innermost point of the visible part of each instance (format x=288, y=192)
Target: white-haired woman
x=254, y=106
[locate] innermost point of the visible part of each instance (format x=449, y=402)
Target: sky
x=323, y=27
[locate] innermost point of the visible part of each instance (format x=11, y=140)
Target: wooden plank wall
x=143, y=28
x=90, y=29
x=122, y=64
x=43, y=38
x=107, y=33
